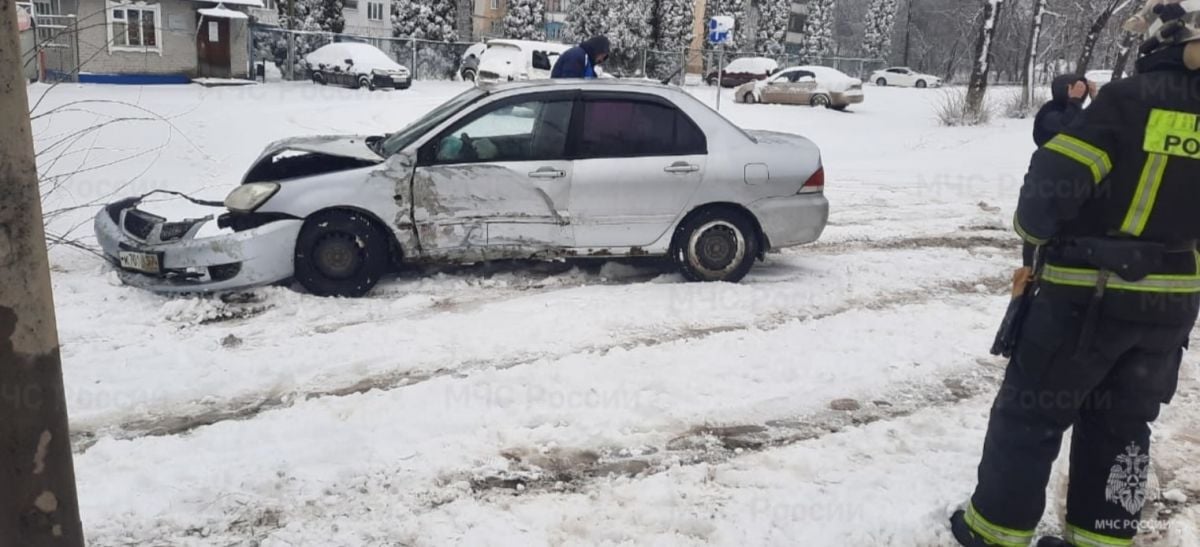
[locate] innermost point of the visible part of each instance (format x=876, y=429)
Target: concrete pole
x=38, y=505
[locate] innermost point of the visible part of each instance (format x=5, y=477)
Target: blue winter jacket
x=580, y=61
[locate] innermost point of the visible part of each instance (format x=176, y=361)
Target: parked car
x=809, y=85
x=554, y=169
x=745, y=69
x=514, y=60
x=469, y=65
x=356, y=65
x=904, y=77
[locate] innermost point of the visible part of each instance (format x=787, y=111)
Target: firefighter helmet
x=1166, y=23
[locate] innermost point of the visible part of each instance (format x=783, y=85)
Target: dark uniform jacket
x=1128, y=169
x=580, y=61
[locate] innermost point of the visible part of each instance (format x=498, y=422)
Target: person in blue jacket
x=580, y=61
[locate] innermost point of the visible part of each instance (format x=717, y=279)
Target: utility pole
x=38, y=505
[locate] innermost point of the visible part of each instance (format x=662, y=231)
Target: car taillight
x=815, y=183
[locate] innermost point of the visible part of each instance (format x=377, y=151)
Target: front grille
x=139, y=224
x=172, y=231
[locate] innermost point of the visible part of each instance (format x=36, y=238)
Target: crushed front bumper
x=180, y=262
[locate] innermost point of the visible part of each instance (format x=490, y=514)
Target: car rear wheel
x=340, y=253
x=364, y=81
x=921, y=84
x=318, y=78
x=715, y=245
x=749, y=98
x=820, y=100
x=882, y=82
x=468, y=74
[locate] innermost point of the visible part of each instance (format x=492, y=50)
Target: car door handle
x=548, y=173
x=682, y=167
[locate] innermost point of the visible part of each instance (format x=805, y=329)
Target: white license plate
x=142, y=262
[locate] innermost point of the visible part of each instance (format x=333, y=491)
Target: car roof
x=529, y=44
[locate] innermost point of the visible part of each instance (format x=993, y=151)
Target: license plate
x=142, y=262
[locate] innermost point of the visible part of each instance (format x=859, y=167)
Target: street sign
x=720, y=28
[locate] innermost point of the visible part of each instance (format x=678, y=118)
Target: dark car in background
x=356, y=65
x=743, y=70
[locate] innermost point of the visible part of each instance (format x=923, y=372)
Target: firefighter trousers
x=1108, y=393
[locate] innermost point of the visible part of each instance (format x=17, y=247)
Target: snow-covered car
x=903, y=76
x=515, y=60
x=807, y=85
x=469, y=64
x=554, y=169
x=356, y=65
x=745, y=69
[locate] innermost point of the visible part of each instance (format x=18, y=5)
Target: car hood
x=346, y=146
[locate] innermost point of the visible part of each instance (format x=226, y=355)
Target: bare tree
x=1098, y=25
x=977, y=87
x=1028, y=67
x=1129, y=43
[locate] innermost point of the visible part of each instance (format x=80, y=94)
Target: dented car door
x=496, y=183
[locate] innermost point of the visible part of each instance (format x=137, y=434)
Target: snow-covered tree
x=771, y=32
x=306, y=15
x=329, y=16
x=424, y=19
x=673, y=24
x=525, y=20
x=818, y=31
x=877, y=34
x=977, y=87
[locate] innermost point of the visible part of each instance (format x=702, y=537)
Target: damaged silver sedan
x=538, y=170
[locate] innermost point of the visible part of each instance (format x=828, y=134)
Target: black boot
x=963, y=533
x=1051, y=541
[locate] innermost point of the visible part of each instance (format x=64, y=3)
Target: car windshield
x=401, y=139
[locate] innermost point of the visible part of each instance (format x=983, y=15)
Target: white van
x=513, y=60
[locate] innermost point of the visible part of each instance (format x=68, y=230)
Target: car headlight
x=248, y=197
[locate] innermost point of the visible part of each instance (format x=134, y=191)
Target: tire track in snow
x=196, y=414
x=573, y=470
x=247, y=408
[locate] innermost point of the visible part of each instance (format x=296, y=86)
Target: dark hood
x=1060, y=88
x=595, y=46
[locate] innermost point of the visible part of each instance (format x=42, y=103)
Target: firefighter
x=1111, y=203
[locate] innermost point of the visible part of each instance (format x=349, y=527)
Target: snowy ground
x=838, y=396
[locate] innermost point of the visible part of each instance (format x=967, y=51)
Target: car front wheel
x=340, y=253
x=881, y=82
x=715, y=245
x=921, y=84
x=318, y=78
x=749, y=98
x=820, y=100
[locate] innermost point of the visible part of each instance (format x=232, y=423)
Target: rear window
x=627, y=128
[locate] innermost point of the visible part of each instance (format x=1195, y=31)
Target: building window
x=495, y=4
x=375, y=11
x=134, y=27
x=796, y=22
x=553, y=6
x=497, y=27
x=350, y=4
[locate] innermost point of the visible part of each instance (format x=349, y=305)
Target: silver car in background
x=553, y=169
